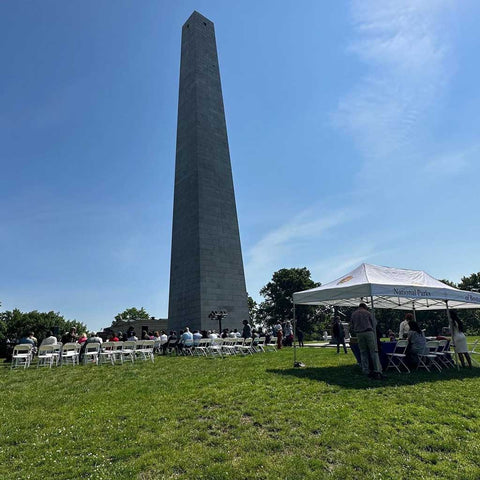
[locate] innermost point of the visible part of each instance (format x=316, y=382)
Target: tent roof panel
x=390, y=288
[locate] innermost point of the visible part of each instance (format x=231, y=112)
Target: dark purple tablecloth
x=387, y=347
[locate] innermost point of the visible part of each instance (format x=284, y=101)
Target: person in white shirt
x=131, y=336
x=236, y=333
x=163, y=336
x=50, y=340
x=404, y=327
x=212, y=334
x=197, y=335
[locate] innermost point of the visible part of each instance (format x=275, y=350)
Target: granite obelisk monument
x=206, y=271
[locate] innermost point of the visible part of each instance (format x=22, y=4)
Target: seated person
x=50, y=339
x=82, y=338
x=131, y=337
x=170, y=343
x=186, y=339
x=70, y=337
x=94, y=338
x=28, y=339
x=113, y=338
x=416, y=344
x=197, y=335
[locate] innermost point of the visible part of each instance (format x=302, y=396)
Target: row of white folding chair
x=436, y=354
x=128, y=350
x=228, y=346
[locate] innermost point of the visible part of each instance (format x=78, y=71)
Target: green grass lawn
x=238, y=418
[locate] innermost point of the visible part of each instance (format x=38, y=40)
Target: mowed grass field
x=238, y=418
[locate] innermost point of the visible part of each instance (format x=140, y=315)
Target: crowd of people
x=361, y=326
x=165, y=342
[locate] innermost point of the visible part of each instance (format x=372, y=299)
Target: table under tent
x=387, y=287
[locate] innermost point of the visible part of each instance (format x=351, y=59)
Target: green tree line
x=14, y=324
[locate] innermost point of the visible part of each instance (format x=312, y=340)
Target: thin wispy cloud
x=291, y=243
x=406, y=57
x=453, y=163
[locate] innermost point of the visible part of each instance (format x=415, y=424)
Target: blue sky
x=353, y=129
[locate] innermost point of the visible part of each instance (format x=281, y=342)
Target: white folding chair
x=70, y=354
x=22, y=355
x=139, y=348
x=215, y=347
x=228, y=346
x=428, y=358
x=118, y=351
x=145, y=352
x=200, y=347
x=271, y=345
x=128, y=350
x=107, y=353
x=92, y=352
x=247, y=347
x=57, y=352
x=443, y=354
x=260, y=346
x=396, y=359
x=473, y=352
x=45, y=356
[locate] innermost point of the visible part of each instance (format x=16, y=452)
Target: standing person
x=279, y=336
x=362, y=326
x=247, y=330
x=288, y=333
x=404, y=326
x=459, y=339
x=339, y=334
x=300, y=336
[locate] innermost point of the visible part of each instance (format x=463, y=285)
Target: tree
x=14, y=324
x=130, y=315
x=252, y=309
x=278, y=304
x=471, y=282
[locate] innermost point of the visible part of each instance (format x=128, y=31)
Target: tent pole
x=451, y=333
x=294, y=335
x=414, y=314
x=373, y=316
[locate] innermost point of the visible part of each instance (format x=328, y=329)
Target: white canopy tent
x=386, y=287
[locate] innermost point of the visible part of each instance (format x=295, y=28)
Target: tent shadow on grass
x=349, y=376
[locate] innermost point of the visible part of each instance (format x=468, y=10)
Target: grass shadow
x=351, y=377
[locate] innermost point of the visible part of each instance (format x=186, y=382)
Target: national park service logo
x=345, y=280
